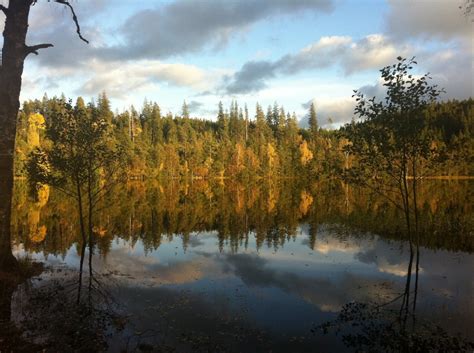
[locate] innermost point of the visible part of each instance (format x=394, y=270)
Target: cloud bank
x=370, y=52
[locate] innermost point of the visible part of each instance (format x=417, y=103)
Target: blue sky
x=203, y=51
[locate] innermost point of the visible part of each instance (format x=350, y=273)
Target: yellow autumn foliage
x=43, y=195
x=99, y=231
x=208, y=192
x=35, y=123
x=239, y=201
x=238, y=159
x=306, y=200
x=35, y=233
x=39, y=234
x=305, y=152
x=36, y=119
x=272, y=200
x=272, y=155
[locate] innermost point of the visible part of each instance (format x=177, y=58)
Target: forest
x=237, y=145
x=269, y=212
x=128, y=228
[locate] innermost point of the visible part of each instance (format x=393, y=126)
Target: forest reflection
x=253, y=255
x=271, y=212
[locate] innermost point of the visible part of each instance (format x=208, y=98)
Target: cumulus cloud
x=123, y=78
x=172, y=29
x=129, y=56
x=331, y=112
x=437, y=19
x=450, y=68
x=372, y=51
x=320, y=54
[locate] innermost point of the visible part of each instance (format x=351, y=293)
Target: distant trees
x=156, y=145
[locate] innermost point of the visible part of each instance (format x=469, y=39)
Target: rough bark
x=13, y=56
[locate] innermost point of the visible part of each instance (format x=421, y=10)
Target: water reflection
x=393, y=325
x=273, y=211
x=203, y=267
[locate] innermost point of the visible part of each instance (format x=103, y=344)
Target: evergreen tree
x=312, y=120
x=103, y=105
x=185, y=111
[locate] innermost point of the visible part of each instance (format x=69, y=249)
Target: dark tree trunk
x=6, y=332
x=13, y=56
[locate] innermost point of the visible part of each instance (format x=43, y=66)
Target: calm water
x=228, y=267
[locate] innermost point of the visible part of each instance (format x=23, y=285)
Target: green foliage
x=240, y=146
x=393, y=133
x=79, y=148
x=394, y=141
x=80, y=159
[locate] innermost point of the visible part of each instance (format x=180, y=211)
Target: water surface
x=232, y=267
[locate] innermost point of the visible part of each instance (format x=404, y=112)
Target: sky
x=292, y=52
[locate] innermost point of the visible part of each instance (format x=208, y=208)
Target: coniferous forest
x=336, y=216
x=238, y=144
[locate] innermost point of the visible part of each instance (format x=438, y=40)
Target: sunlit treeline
x=238, y=145
x=268, y=214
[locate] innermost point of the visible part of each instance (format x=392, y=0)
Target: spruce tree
x=312, y=120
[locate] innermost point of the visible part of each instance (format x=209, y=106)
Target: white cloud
x=335, y=245
x=124, y=78
x=330, y=112
x=399, y=269
x=372, y=51
x=323, y=53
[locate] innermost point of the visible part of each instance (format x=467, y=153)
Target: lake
x=273, y=266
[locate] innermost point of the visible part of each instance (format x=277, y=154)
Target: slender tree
x=393, y=139
x=81, y=160
x=391, y=142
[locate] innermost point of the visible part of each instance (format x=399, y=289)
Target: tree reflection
x=75, y=311
x=272, y=212
x=7, y=260
x=393, y=326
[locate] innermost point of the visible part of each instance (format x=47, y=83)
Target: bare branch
x=74, y=18
x=4, y=9
x=34, y=48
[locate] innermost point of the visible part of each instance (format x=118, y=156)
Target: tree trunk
x=11, y=69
